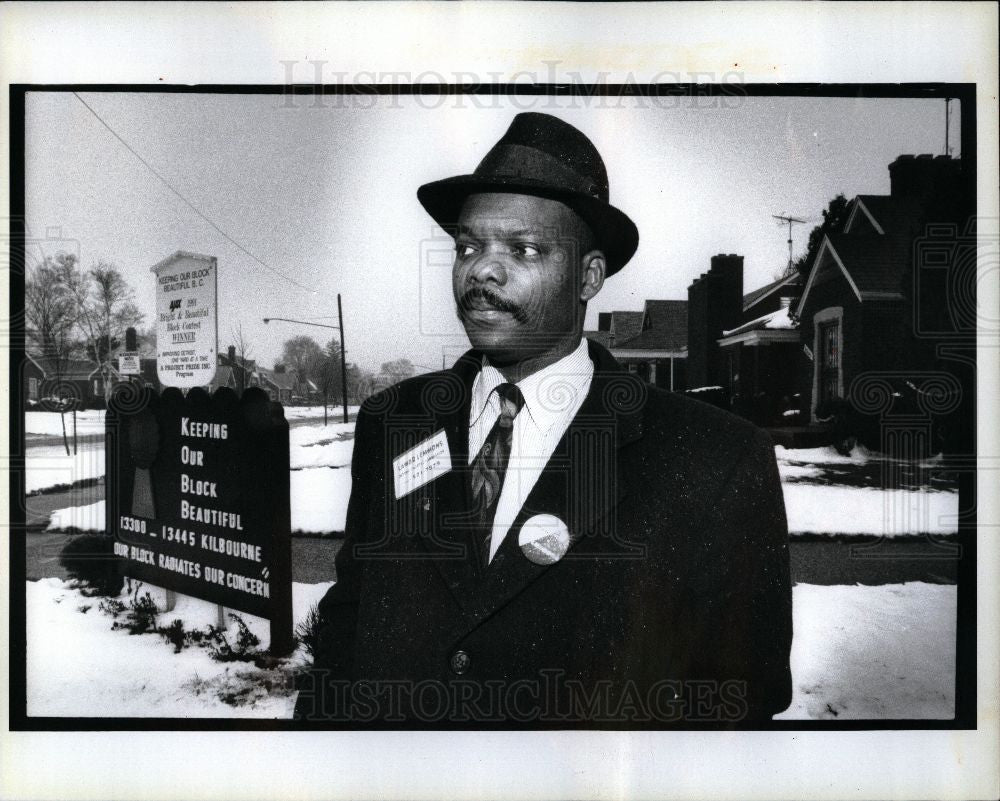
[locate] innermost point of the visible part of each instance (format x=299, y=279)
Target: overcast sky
x=326, y=197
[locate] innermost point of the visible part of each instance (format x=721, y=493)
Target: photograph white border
x=193, y=43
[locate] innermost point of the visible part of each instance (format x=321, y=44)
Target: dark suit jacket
x=672, y=605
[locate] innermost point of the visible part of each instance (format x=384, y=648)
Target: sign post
x=128, y=362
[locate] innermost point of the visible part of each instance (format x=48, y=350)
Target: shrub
x=112, y=606
x=246, y=644
x=307, y=631
x=140, y=616
x=90, y=559
x=174, y=634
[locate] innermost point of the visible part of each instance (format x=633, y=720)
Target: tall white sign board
x=187, y=334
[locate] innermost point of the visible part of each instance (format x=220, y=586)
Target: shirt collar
x=547, y=393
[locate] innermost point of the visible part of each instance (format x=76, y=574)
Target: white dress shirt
x=552, y=397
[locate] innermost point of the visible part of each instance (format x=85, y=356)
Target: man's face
x=518, y=275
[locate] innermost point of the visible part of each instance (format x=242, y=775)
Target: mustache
x=496, y=301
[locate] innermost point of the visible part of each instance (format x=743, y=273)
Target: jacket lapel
x=582, y=484
x=448, y=538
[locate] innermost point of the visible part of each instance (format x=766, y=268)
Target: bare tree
x=243, y=350
x=50, y=316
x=304, y=355
x=105, y=307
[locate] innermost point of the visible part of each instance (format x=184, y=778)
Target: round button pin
x=544, y=539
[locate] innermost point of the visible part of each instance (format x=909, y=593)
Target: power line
x=187, y=202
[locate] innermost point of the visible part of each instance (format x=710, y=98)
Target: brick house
x=651, y=343
x=761, y=356
x=44, y=380
x=280, y=384
x=871, y=299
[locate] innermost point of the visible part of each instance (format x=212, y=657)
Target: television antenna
x=782, y=220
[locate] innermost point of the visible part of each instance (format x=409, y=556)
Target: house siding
x=833, y=290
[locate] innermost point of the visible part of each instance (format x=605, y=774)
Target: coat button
x=460, y=661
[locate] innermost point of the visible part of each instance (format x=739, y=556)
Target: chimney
x=786, y=302
x=130, y=339
x=604, y=321
x=232, y=354
x=924, y=176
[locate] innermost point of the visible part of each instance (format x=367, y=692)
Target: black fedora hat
x=542, y=155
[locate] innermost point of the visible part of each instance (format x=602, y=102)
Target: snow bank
x=873, y=652
x=859, y=652
x=332, y=411
x=830, y=509
x=826, y=455
x=321, y=446
x=319, y=499
x=49, y=466
x=84, y=518
x=78, y=667
x=88, y=422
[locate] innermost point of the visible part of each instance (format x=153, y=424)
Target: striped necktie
x=490, y=465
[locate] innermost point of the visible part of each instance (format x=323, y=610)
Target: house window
x=829, y=360
x=33, y=388
x=828, y=356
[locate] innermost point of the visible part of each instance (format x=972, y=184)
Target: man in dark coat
x=536, y=537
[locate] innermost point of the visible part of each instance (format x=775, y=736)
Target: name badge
x=423, y=463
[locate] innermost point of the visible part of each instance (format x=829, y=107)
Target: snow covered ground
x=88, y=423
x=873, y=652
x=48, y=465
x=334, y=412
x=320, y=458
x=78, y=666
x=859, y=652
x=821, y=497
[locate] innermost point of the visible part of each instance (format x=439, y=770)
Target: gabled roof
x=666, y=327
x=223, y=377
x=794, y=280
x=600, y=337
x=279, y=380
x=626, y=324
x=883, y=214
x=777, y=320
x=69, y=369
x=873, y=265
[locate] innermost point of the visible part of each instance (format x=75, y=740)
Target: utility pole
x=343, y=356
x=343, y=350
x=947, y=126
x=782, y=219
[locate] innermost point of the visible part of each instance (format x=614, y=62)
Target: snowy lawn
x=859, y=652
x=48, y=466
x=88, y=423
x=334, y=412
x=825, y=493
x=821, y=488
x=318, y=500
x=78, y=666
x=873, y=652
